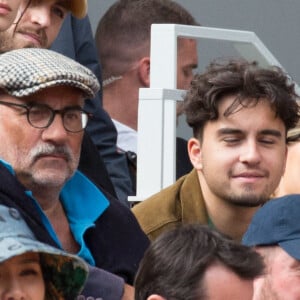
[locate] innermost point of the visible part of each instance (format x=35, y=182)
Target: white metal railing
x=157, y=105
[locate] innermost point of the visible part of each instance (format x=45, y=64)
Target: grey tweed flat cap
x=24, y=72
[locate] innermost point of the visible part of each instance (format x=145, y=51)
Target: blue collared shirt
x=83, y=203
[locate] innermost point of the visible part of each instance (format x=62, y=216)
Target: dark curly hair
x=249, y=83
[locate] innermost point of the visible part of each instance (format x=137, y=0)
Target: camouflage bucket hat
x=64, y=274
x=26, y=71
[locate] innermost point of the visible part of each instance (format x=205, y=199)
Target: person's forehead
x=234, y=104
x=62, y=3
x=62, y=94
x=282, y=256
x=241, y=119
x=187, y=46
x=231, y=286
x=59, y=90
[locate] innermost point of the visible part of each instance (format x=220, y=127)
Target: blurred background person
x=8, y=12
x=33, y=270
x=289, y=183
x=123, y=42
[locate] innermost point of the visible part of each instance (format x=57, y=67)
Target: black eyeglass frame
x=61, y=112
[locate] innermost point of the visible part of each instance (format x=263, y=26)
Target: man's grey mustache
x=50, y=149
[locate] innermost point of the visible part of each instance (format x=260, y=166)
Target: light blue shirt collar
x=83, y=202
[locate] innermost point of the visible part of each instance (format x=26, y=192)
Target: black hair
x=249, y=83
x=176, y=261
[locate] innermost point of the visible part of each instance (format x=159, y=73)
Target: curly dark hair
x=249, y=83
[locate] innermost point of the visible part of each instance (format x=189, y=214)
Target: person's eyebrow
x=30, y=261
x=63, y=3
x=224, y=131
x=273, y=132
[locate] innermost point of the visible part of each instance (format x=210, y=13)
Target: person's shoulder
x=117, y=242
x=102, y=284
x=169, y=195
x=160, y=211
x=119, y=217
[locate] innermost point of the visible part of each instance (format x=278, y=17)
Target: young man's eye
x=231, y=140
x=267, y=141
x=60, y=12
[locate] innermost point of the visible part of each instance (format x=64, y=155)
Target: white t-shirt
x=127, y=137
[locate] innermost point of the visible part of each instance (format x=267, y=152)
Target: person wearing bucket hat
x=289, y=183
x=42, y=119
x=31, y=268
x=275, y=233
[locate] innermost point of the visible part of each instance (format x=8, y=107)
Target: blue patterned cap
x=26, y=71
x=277, y=223
x=64, y=274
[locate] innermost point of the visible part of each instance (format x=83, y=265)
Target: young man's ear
x=144, y=71
x=194, y=150
x=156, y=297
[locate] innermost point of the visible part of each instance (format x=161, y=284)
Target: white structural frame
x=156, y=147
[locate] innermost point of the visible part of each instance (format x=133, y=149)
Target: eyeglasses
x=41, y=115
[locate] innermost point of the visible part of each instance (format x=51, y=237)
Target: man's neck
x=59, y=221
x=47, y=197
x=228, y=218
x=121, y=104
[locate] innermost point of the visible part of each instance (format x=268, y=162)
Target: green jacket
x=180, y=203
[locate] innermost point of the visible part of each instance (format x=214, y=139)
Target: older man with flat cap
x=42, y=121
x=275, y=233
x=37, y=25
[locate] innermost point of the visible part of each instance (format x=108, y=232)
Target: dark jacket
x=117, y=243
